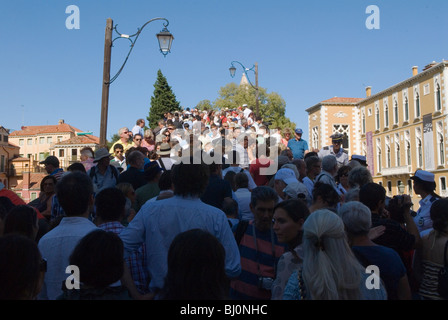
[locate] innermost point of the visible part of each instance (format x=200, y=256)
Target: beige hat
x=165, y=149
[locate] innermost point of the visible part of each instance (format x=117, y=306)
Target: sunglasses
x=138, y=139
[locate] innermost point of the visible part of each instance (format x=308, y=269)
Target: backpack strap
x=92, y=172
x=162, y=165
x=115, y=173
x=240, y=230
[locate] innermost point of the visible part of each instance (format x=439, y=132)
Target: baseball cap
x=51, y=160
x=360, y=159
x=423, y=175
x=296, y=190
x=286, y=175
x=298, y=131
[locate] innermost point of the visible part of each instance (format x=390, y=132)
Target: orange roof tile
x=87, y=139
x=342, y=100
x=35, y=180
x=34, y=130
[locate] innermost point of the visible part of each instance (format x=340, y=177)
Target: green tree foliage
x=271, y=105
x=205, y=105
x=114, y=138
x=162, y=101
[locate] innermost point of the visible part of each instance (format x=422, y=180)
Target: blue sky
x=307, y=51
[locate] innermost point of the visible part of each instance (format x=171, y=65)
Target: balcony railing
x=396, y=170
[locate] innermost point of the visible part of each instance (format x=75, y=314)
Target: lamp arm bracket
x=245, y=71
x=133, y=41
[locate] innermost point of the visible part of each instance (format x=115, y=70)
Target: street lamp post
x=254, y=68
x=165, y=39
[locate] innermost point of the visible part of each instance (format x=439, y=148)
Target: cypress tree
x=163, y=100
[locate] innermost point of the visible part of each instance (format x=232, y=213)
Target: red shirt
x=254, y=169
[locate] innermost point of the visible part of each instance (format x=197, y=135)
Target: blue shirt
x=158, y=223
x=298, y=147
x=388, y=262
x=100, y=181
x=56, y=247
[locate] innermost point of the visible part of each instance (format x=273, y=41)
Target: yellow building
x=8, y=151
x=399, y=129
x=331, y=116
x=404, y=128
x=62, y=140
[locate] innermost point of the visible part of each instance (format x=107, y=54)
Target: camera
x=265, y=283
x=396, y=207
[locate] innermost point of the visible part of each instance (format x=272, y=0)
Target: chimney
x=26, y=186
x=368, y=91
x=26, y=180
x=414, y=70
x=61, y=121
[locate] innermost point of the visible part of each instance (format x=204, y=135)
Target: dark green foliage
x=163, y=100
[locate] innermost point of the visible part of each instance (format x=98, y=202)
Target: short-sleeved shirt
x=102, y=181
x=341, y=156
x=298, y=147
x=126, y=146
x=255, y=170
x=422, y=219
x=388, y=262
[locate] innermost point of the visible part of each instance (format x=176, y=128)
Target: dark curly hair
x=439, y=214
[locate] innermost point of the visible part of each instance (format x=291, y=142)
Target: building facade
x=404, y=128
x=8, y=151
x=62, y=140
x=331, y=116
x=33, y=144
x=400, y=129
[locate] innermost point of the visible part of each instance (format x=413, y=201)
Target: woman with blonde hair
x=149, y=141
x=330, y=270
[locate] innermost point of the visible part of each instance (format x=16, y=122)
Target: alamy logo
x=72, y=281
x=72, y=21
x=373, y=21
x=373, y=281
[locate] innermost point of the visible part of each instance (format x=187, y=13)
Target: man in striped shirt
x=259, y=249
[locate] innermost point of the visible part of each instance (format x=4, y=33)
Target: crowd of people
x=219, y=205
